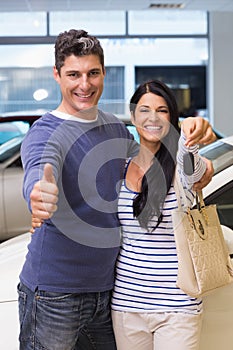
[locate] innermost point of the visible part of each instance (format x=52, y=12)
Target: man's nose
x=84, y=82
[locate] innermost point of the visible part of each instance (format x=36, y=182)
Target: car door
x=222, y=196
x=16, y=214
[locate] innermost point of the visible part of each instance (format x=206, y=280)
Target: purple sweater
x=76, y=250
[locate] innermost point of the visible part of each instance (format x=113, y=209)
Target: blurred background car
x=220, y=190
x=218, y=316
x=14, y=214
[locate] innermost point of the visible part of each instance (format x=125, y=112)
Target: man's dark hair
x=78, y=43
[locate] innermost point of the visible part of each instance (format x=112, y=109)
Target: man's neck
x=86, y=114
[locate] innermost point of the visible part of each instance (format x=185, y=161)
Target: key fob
x=188, y=161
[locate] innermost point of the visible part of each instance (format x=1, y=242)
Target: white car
x=15, y=217
x=218, y=316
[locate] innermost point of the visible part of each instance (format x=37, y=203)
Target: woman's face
x=151, y=118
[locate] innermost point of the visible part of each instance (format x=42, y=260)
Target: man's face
x=81, y=82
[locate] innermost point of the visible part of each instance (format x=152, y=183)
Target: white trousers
x=157, y=331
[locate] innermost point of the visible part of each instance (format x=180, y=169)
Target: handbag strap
x=179, y=190
x=182, y=199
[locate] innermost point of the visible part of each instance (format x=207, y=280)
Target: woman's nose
x=154, y=115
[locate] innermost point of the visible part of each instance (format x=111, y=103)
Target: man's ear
x=56, y=74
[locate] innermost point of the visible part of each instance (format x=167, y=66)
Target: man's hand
x=197, y=131
x=206, y=178
x=44, y=196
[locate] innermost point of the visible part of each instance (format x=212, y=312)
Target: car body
x=14, y=214
x=218, y=306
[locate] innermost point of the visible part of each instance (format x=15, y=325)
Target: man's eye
x=95, y=72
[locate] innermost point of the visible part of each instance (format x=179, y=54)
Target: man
x=74, y=160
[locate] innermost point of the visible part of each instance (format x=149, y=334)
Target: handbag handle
x=201, y=205
x=179, y=190
x=182, y=199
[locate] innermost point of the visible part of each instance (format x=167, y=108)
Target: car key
x=188, y=163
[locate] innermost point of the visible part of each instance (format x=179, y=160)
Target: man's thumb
x=48, y=174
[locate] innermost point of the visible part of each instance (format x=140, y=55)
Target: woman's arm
x=195, y=131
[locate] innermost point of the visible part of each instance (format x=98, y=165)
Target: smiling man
x=69, y=270
x=81, y=80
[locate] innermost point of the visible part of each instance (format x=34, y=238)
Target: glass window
x=153, y=51
x=112, y=99
x=167, y=22
x=22, y=88
x=26, y=56
x=23, y=23
x=27, y=83
x=220, y=153
x=187, y=82
x=94, y=22
x=26, y=80
x=10, y=130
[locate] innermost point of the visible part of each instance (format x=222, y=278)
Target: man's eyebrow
x=97, y=68
x=77, y=71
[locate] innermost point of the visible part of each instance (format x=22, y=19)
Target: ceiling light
x=166, y=6
x=40, y=94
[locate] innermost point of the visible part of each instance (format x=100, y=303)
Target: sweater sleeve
x=36, y=150
x=199, y=164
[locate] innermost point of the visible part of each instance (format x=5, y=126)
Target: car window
x=220, y=154
x=133, y=131
x=10, y=148
x=9, y=130
x=223, y=198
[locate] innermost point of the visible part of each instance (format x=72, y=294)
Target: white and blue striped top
x=146, y=268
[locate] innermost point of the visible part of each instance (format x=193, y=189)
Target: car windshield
x=9, y=148
x=9, y=130
x=220, y=153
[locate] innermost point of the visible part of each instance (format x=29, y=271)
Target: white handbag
x=204, y=263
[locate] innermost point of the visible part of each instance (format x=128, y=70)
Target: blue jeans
x=58, y=321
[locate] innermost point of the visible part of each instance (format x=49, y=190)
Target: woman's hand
x=197, y=131
x=206, y=178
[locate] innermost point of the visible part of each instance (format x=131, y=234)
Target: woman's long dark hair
x=157, y=180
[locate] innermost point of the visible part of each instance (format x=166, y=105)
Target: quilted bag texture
x=204, y=263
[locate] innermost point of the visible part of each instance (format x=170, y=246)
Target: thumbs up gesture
x=44, y=195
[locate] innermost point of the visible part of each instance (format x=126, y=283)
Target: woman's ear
x=132, y=118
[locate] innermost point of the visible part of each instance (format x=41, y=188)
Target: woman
x=149, y=311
